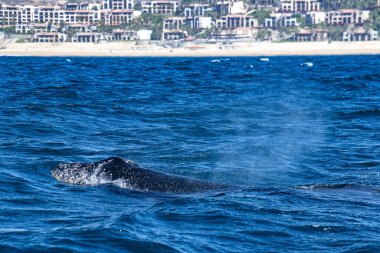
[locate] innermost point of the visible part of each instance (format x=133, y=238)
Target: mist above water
x=303, y=141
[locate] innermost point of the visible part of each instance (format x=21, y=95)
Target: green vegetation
x=70, y=34
x=105, y=28
x=286, y=32
x=261, y=15
x=205, y=33
x=187, y=2
x=375, y=17
x=137, y=7
x=150, y=22
x=336, y=31
x=263, y=34
x=61, y=26
x=346, y=4
x=21, y=40
x=300, y=19
x=213, y=14
x=8, y=30
x=189, y=31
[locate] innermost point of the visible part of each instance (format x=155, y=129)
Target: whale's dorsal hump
x=117, y=167
x=114, y=160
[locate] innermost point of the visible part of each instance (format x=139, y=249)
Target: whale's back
x=127, y=174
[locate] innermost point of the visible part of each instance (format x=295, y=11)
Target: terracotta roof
x=160, y=1
x=84, y=11
x=40, y=25
x=320, y=30
x=47, y=7
x=47, y=34
x=238, y=16
x=173, y=31
x=77, y=25
x=120, y=30
x=305, y=33
x=86, y=34
x=360, y=30
x=348, y=10
x=121, y=11
x=199, y=5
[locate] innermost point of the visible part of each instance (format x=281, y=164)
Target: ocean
x=298, y=136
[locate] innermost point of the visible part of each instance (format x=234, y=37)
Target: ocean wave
x=267, y=129
x=347, y=186
x=366, y=113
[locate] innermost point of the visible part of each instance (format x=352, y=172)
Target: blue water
x=301, y=142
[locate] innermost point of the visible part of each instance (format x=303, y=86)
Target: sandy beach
x=10, y=48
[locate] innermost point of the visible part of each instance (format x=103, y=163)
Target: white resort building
x=232, y=21
x=117, y=4
x=300, y=5
x=348, y=16
x=159, y=6
x=49, y=37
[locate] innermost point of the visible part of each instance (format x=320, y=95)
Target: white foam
x=308, y=64
x=74, y=173
x=13, y=230
x=264, y=59
x=122, y=183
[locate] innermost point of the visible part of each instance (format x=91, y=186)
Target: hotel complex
x=294, y=20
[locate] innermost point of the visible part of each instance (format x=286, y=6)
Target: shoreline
x=130, y=49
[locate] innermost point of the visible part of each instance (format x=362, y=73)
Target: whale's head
x=105, y=171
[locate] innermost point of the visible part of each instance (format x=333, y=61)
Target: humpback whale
x=129, y=175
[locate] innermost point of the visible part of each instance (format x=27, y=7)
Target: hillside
x=347, y=4
x=43, y=2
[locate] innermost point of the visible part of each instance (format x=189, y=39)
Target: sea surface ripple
x=301, y=140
